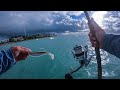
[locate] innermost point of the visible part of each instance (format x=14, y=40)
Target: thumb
x=95, y=25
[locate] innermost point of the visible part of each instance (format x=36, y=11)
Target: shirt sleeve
x=7, y=60
x=111, y=44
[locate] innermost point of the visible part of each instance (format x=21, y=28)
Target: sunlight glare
x=98, y=16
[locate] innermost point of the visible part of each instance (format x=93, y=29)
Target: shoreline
x=24, y=40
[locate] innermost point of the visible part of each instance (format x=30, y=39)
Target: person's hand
x=99, y=33
x=20, y=53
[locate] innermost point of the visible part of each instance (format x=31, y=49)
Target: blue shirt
x=111, y=44
x=7, y=60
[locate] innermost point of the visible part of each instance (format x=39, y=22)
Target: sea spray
x=51, y=55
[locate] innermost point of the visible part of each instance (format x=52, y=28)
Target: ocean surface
x=43, y=67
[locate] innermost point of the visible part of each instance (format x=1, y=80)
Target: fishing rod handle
x=90, y=23
x=91, y=27
x=97, y=51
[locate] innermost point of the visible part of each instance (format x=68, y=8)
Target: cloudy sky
x=19, y=22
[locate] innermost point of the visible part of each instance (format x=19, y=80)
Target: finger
x=89, y=34
x=16, y=51
x=21, y=57
x=27, y=49
x=24, y=57
x=24, y=53
x=95, y=43
x=91, y=38
x=92, y=42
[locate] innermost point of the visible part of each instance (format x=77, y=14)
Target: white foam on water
x=71, y=68
x=51, y=55
x=51, y=37
x=89, y=74
x=104, y=55
x=116, y=71
x=105, y=73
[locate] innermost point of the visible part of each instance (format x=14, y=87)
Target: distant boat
x=51, y=37
x=37, y=39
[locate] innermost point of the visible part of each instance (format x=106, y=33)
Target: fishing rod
x=69, y=75
x=97, y=50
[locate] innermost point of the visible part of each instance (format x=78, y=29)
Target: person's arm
x=7, y=60
x=9, y=57
x=107, y=42
x=111, y=44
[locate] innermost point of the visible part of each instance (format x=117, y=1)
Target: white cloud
x=112, y=21
x=76, y=13
x=98, y=16
x=52, y=20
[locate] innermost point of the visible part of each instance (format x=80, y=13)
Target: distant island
x=20, y=38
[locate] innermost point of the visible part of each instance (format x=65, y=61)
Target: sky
x=20, y=22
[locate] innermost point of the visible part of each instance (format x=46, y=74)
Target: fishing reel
x=80, y=54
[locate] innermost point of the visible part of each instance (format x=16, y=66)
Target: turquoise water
x=45, y=68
